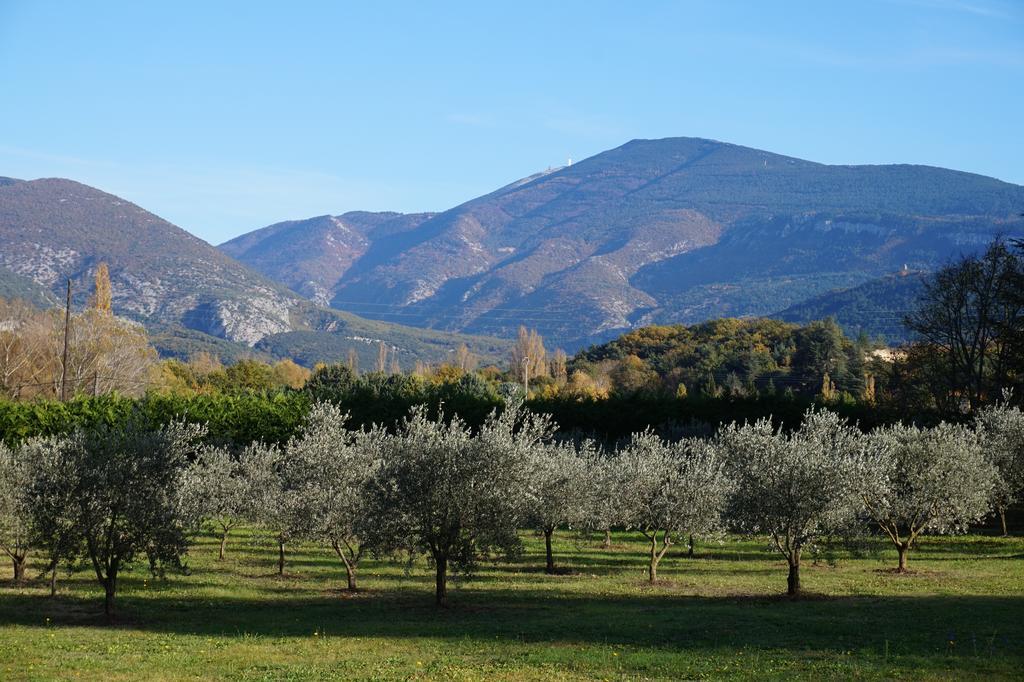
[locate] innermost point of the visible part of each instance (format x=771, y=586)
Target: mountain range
x=191, y=296
x=677, y=230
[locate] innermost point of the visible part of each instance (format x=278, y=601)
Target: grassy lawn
x=718, y=615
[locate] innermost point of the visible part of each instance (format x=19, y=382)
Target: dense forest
x=736, y=358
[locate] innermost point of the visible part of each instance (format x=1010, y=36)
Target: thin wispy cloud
x=8, y=152
x=989, y=10
x=904, y=57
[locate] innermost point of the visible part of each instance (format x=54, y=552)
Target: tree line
x=967, y=326
x=107, y=496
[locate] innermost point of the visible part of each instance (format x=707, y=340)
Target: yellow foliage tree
x=103, y=296
x=290, y=374
x=528, y=354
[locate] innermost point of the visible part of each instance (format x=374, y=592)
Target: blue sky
x=223, y=117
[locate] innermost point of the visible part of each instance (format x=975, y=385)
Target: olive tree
x=221, y=489
x=123, y=485
x=276, y=504
x=442, y=491
x=794, y=488
x=55, y=531
x=917, y=481
x=670, y=490
x=327, y=469
x=1002, y=439
x=561, y=486
x=15, y=512
x=605, y=508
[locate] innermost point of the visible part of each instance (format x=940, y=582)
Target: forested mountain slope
x=658, y=231
x=876, y=307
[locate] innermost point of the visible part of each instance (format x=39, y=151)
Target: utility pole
x=526, y=377
x=64, y=360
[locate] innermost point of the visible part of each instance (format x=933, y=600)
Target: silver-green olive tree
x=55, y=531
x=605, y=508
x=219, y=489
x=15, y=510
x=560, y=489
x=794, y=487
x=327, y=468
x=276, y=505
x=916, y=481
x=441, y=490
x=123, y=485
x=1002, y=440
x=668, y=490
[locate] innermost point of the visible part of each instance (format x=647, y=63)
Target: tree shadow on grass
x=925, y=626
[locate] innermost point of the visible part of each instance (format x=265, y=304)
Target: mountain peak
x=676, y=229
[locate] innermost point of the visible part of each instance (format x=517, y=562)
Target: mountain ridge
x=674, y=230
x=53, y=229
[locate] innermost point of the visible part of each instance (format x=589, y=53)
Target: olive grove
x=437, y=488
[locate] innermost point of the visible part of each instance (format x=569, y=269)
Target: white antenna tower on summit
x=569, y=162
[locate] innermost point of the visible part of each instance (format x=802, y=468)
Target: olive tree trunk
x=280, y=557
x=350, y=574
x=108, y=601
x=657, y=554
x=441, y=581
x=550, y=568
x=904, y=550
x=350, y=564
x=110, y=592
x=19, y=561
x=223, y=545
x=793, y=580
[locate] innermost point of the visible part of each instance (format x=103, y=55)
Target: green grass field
x=718, y=615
